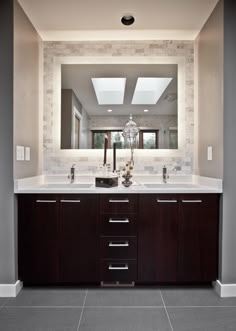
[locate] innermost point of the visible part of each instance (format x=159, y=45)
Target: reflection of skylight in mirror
x=148, y=90
x=109, y=91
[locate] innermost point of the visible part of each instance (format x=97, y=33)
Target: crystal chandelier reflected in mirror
x=130, y=133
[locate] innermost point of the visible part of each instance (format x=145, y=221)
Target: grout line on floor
x=171, y=326
x=114, y=307
x=50, y=290
x=81, y=314
x=52, y=307
x=200, y=307
x=123, y=306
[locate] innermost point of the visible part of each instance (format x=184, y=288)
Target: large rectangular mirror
x=97, y=100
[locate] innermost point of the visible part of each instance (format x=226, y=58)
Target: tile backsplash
x=57, y=161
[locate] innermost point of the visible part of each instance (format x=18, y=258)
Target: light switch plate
x=20, y=153
x=209, y=153
x=27, y=153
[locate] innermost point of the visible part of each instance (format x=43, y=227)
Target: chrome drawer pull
x=192, y=201
x=121, y=201
x=70, y=201
x=119, y=244
x=167, y=201
x=47, y=201
x=126, y=267
x=114, y=220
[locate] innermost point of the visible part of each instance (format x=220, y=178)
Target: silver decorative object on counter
x=127, y=174
x=127, y=182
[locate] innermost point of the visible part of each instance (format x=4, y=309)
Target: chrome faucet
x=71, y=176
x=164, y=174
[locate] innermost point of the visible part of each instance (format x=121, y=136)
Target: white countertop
x=141, y=184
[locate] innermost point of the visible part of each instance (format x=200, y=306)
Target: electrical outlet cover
x=20, y=153
x=209, y=153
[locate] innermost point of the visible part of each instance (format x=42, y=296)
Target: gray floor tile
x=49, y=297
x=124, y=319
x=195, y=297
x=39, y=319
x=123, y=297
x=203, y=319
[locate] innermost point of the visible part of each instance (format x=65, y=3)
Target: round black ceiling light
x=127, y=19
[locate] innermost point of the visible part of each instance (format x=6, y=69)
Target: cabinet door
x=78, y=238
x=157, y=253
x=38, y=239
x=198, y=238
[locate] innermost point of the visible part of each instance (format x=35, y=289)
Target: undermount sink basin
x=170, y=185
x=66, y=185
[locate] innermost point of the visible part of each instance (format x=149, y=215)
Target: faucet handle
x=73, y=165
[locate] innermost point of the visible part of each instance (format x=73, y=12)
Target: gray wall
x=228, y=256
x=24, y=68
x=27, y=44
x=7, y=224
x=209, y=52
x=217, y=72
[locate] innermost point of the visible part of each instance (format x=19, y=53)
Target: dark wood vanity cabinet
x=178, y=238
x=141, y=238
x=58, y=238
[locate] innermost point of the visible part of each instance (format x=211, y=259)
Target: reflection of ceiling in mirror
x=109, y=91
x=78, y=78
x=148, y=90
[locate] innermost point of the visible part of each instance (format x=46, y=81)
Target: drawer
x=121, y=225
x=118, y=247
x=118, y=203
x=123, y=271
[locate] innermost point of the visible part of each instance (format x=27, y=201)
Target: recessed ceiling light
x=109, y=110
x=127, y=19
x=146, y=110
x=148, y=90
x=109, y=91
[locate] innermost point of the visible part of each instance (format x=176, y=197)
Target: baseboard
x=225, y=290
x=10, y=290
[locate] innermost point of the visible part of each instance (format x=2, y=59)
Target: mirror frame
x=58, y=61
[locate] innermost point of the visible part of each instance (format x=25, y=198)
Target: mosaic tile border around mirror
x=56, y=163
